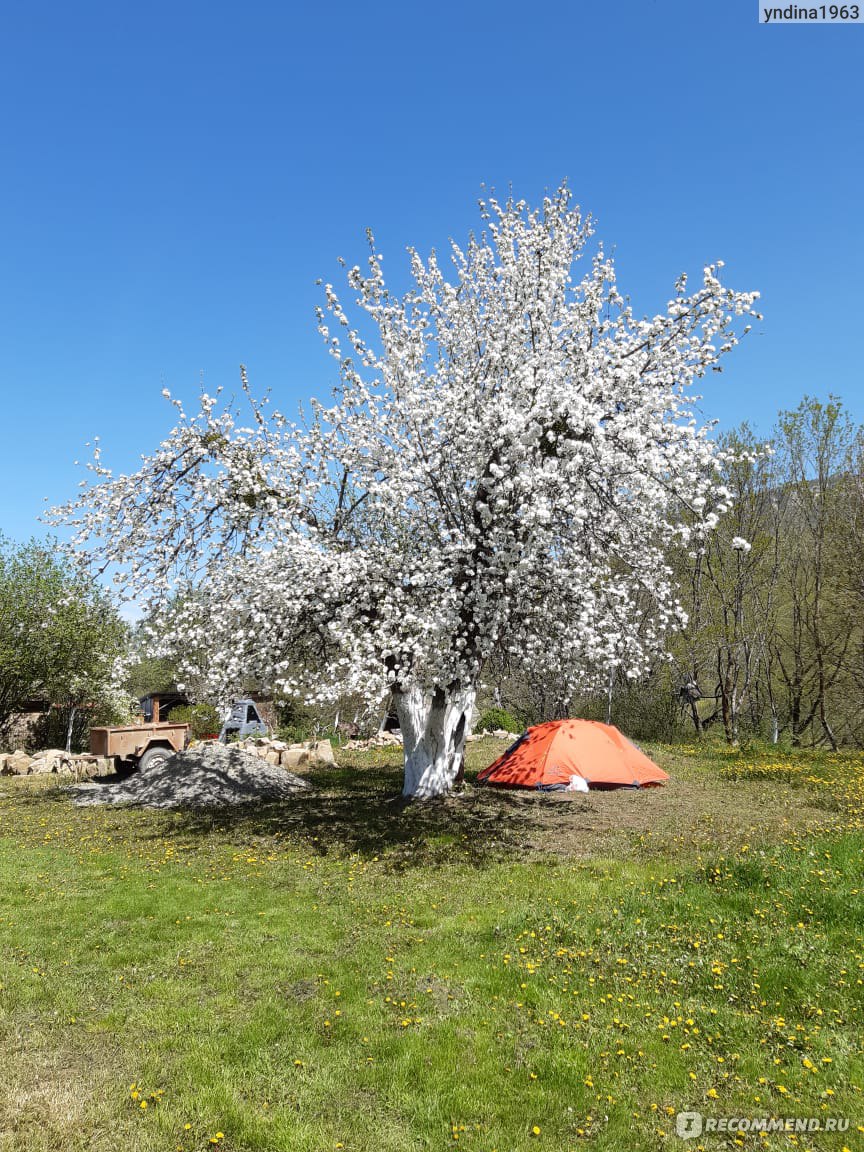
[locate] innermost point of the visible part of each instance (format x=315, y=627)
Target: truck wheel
x=154, y=757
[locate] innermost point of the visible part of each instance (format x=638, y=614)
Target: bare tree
x=814, y=633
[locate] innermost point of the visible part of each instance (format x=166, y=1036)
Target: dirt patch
x=206, y=776
x=51, y=1100
x=356, y=810
x=686, y=811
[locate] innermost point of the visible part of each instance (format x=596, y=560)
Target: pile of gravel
x=207, y=775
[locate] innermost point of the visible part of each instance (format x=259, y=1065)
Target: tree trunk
x=726, y=691
x=696, y=718
x=434, y=726
x=69, y=728
x=795, y=716
x=609, y=696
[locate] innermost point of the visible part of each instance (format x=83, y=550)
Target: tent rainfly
x=572, y=755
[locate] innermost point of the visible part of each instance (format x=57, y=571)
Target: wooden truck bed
x=129, y=743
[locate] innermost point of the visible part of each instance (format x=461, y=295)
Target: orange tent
x=574, y=755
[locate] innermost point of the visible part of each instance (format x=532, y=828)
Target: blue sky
x=176, y=177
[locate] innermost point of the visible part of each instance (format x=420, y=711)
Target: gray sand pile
x=208, y=775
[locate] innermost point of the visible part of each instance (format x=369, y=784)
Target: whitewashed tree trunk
x=434, y=726
x=69, y=728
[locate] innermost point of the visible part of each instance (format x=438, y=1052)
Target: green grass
x=350, y=971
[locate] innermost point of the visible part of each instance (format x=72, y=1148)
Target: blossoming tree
x=507, y=460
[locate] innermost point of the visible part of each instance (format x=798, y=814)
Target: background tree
x=729, y=584
x=850, y=582
x=508, y=462
x=60, y=637
x=159, y=661
x=817, y=624
x=145, y=674
x=775, y=630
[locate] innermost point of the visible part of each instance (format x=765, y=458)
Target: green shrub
x=203, y=719
x=296, y=721
x=52, y=727
x=494, y=718
x=294, y=733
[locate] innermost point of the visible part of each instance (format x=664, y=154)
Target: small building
x=156, y=707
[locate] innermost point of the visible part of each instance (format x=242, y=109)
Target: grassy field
x=496, y=971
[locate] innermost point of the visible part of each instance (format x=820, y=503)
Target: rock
x=84, y=767
x=19, y=763
x=379, y=740
x=290, y=755
x=55, y=761
x=294, y=756
x=322, y=752
x=51, y=760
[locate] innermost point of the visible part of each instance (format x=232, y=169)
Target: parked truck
x=243, y=720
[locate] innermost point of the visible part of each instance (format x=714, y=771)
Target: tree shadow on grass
x=354, y=812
